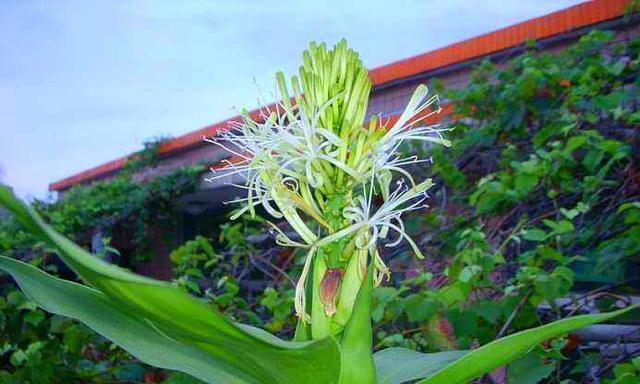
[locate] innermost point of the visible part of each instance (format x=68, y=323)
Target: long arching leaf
x=188, y=320
x=502, y=351
x=93, y=308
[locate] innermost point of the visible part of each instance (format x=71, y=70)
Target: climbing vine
x=129, y=203
x=541, y=192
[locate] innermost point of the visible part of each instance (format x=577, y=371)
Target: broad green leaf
x=264, y=358
x=529, y=369
x=610, y=101
x=419, y=308
x=357, y=340
x=525, y=183
x=93, y=308
x=575, y=142
x=400, y=365
x=502, y=351
x=534, y=234
x=560, y=227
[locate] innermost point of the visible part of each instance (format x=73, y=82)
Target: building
x=393, y=85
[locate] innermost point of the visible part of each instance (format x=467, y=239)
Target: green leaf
x=469, y=272
x=529, y=369
x=399, y=365
x=560, y=227
x=609, y=101
x=419, y=308
x=250, y=355
x=503, y=351
x=534, y=234
x=321, y=325
x=94, y=309
x=569, y=213
x=34, y=318
x=616, y=68
x=17, y=358
x=525, y=183
x=575, y=142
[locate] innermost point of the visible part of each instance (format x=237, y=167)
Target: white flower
x=313, y=154
x=369, y=227
x=407, y=128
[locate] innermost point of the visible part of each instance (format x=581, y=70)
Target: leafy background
x=536, y=217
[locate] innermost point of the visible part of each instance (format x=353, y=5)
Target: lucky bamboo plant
x=315, y=161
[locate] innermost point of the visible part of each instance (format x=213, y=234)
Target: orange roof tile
x=555, y=23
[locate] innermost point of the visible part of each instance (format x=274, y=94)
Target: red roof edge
x=572, y=18
x=568, y=19
x=174, y=145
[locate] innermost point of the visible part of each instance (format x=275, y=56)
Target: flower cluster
x=311, y=156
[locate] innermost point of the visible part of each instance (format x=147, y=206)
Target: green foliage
x=213, y=270
x=36, y=347
x=530, y=369
x=123, y=204
x=625, y=373
x=56, y=349
x=192, y=260
x=161, y=324
x=39, y=348
x=174, y=330
x=540, y=193
x=499, y=352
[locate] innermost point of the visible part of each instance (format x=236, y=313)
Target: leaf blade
x=400, y=365
x=188, y=320
x=91, y=307
x=506, y=349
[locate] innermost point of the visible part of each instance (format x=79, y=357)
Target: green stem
x=320, y=322
x=351, y=283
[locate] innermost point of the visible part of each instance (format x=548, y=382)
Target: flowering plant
x=309, y=159
x=313, y=154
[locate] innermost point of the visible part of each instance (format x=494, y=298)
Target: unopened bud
x=329, y=287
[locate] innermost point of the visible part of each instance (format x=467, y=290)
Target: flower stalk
x=313, y=160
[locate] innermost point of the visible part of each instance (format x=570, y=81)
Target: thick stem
x=356, y=342
x=351, y=282
x=334, y=293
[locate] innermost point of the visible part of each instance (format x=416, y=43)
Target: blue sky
x=84, y=82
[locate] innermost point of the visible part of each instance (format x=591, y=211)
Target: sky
x=85, y=82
